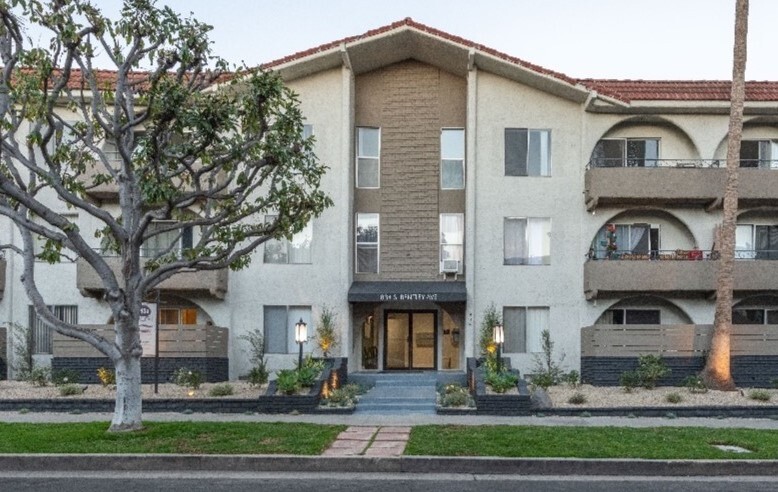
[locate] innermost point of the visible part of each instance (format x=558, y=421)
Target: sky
x=623, y=39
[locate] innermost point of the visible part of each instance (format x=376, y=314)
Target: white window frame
x=626, y=140
x=529, y=131
x=526, y=240
x=286, y=244
x=360, y=155
x=377, y=243
x=444, y=157
x=291, y=346
x=442, y=244
x=534, y=344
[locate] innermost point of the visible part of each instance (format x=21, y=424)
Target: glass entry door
x=411, y=341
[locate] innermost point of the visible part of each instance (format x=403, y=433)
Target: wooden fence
x=174, y=341
x=673, y=340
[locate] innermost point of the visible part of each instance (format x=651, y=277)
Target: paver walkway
x=370, y=441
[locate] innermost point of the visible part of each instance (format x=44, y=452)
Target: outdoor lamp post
x=300, y=337
x=498, y=336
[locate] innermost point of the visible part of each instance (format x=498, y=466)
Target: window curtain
x=538, y=241
x=514, y=322
x=744, y=246
x=766, y=240
x=300, y=246
x=452, y=233
x=638, y=238
x=537, y=159
x=514, y=238
x=537, y=321
x=622, y=238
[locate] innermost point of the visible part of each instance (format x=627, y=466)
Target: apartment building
x=465, y=178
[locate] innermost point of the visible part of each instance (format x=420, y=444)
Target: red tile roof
x=624, y=90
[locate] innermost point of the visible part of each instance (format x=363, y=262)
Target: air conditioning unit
x=449, y=266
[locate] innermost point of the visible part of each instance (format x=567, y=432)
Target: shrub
x=695, y=384
x=39, y=376
x=501, y=382
x=577, y=399
x=572, y=379
x=759, y=395
x=221, y=390
x=354, y=390
x=486, y=336
x=543, y=380
x=23, y=348
x=257, y=376
x=107, y=377
x=673, y=398
x=70, y=389
x=306, y=376
x=547, y=367
x=287, y=382
x=316, y=364
x=629, y=380
x=326, y=331
x=459, y=399
x=340, y=398
x=651, y=368
x=188, y=378
x=65, y=376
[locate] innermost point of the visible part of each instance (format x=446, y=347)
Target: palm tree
x=717, y=374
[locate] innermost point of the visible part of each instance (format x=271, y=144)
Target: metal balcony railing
x=680, y=254
x=599, y=162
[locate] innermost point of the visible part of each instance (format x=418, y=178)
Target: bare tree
x=716, y=373
x=192, y=147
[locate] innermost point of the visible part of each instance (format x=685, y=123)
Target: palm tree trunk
x=717, y=373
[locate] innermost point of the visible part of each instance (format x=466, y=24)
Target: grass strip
x=590, y=442
x=170, y=437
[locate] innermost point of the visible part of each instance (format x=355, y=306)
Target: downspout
x=471, y=208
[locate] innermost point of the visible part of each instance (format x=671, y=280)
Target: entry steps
x=398, y=394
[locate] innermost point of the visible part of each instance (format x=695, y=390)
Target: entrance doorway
x=410, y=340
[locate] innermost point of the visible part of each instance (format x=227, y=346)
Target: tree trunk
x=717, y=373
x=128, y=411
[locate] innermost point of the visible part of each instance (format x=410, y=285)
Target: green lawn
x=170, y=437
x=590, y=442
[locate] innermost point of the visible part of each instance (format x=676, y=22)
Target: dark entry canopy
x=407, y=292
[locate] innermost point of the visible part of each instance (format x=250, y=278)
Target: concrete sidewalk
x=406, y=420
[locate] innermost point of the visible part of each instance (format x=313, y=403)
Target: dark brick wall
x=490, y=404
x=214, y=369
x=747, y=370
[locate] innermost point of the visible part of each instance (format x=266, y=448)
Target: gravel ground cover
x=12, y=390
x=615, y=396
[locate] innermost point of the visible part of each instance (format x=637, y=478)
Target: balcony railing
x=599, y=162
x=654, y=255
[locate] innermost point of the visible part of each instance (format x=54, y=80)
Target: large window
x=452, y=159
x=527, y=152
x=527, y=241
x=759, y=153
x=452, y=242
x=632, y=317
x=41, y=333
x=368, y=157
x=629, y=152
x=178, y=316
x=279, y=324
x=294, y=251
x=754, y=316
x=367, y=236
x=638, y=238
x=523, y=328
x=171, y=241
x=756, y=242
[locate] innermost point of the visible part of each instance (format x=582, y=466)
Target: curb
x=405, y=464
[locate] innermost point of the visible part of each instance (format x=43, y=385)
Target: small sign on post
x=148, y=328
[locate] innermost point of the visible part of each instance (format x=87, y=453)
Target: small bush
x=39, y=376
x=695, y=384
x=316, y=365
x=759, y=395
x=287, y=382
x=629, y=380
x=501, y=382
x=107, y=377
x=651, y=368
x=70, y=389
x=460, y=399
x=341, y=397
x=257, y=376
x=577, y=399
x=572, y=379
x=65, y=376
x=188, y=378
x=353, y=390
x=673, y=398
x=221, y=390
x=543, y=380
x=306, y=375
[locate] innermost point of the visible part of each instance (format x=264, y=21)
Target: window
x=452, y=242
x=368, y=157
x=527, y=152
x=759, y=153
x=296, y=251
x=452, y=159
x=756, y=242
x=178, y=316
x=629, y=152
x=367, y=243
x=523, y=328
x=526, y=241
x=278, y=323
x=41, y=333
x=632, y=317
x=172, y=241
x=755, y=316
x=307, y=131
x=635, y=238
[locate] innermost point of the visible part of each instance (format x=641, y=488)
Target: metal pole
x=300, y=359
x=156, y=348
x=499, y=357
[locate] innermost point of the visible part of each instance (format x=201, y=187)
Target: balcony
x=208, y=282
x=674, y=181
x=678, y=272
